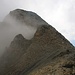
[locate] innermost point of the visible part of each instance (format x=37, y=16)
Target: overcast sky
x=59, y=13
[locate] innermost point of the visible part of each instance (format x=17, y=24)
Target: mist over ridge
x=19, y=22
x=30, y=46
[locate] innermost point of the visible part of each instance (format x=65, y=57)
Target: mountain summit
x=26, y=17
x=24, y=22
x=47, y=53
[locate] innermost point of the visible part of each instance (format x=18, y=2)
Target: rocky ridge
x=47, y=53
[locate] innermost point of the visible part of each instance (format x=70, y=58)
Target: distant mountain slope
x=42, y=55
x=12, y=54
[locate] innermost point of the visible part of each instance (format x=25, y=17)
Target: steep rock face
x=61, y=61
x=45, y=54
x=47, y=44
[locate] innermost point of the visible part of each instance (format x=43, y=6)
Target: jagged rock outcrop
x=47, y=53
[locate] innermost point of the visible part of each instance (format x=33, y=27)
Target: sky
x=58, y=13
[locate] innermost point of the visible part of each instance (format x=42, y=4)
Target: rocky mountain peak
x=47, y=53
x=19, y=37
x=26, y=17
x=20, y=41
